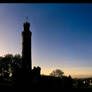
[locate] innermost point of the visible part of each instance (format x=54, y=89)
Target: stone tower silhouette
x=26, y=48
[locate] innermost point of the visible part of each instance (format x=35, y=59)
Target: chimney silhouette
x=26, y=48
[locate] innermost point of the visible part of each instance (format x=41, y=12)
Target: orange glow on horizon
x=75, y=73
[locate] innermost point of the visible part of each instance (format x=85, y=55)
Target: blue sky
x=61, y=35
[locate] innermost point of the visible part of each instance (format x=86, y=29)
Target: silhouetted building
x=26, y=48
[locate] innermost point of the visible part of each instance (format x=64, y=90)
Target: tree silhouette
x=10, y=64
x=57, y=73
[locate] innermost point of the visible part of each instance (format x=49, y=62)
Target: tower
x=26, y=48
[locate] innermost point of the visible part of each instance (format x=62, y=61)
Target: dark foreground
x=44, y=83
x=45, y=89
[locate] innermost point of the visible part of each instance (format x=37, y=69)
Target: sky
x=61, y=35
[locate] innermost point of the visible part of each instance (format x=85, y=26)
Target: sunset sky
x=61, y=35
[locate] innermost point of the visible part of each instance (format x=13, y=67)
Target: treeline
x=9, y=65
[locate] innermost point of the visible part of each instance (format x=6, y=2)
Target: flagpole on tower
x=26, y=18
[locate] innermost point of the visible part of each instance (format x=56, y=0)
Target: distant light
x=90, y=83
x=10, y=75
x=84, y=82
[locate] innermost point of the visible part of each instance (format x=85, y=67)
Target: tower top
x=26, y=24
